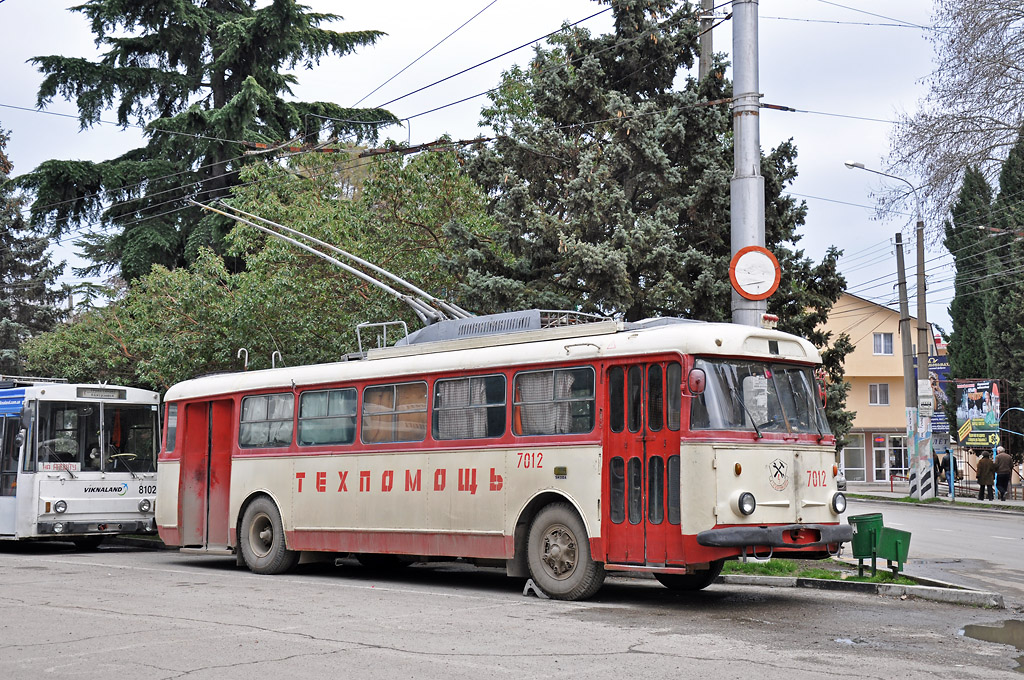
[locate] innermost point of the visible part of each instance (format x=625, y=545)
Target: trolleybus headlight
x=839, y=503
x=60, y=506
x=746, y=503
x=58, y=527
x=145, y=505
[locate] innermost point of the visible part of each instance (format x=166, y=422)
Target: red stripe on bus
x=403, y=543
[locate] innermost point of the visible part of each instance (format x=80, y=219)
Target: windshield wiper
x=747, y=411
x=123, y=459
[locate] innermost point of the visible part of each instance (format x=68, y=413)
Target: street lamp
x=915, y=394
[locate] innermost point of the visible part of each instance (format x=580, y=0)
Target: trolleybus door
x=10, y=426
x=205, y=479
x=641, y=451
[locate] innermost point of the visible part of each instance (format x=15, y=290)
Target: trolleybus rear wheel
x=558, y=552
x=262, y=539
x=698, y=580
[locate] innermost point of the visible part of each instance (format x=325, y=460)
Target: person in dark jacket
x=1003, y=466
x=986, y=475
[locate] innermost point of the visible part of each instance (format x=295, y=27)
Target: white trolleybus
x=77, y=462
x=566, y=450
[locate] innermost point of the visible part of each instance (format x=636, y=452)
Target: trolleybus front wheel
x=698, y=580
x=262, y=539
x=558, y=552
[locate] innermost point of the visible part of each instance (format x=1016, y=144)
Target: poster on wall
x=977, y=411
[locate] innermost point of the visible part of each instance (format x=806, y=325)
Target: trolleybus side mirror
x=696, y=380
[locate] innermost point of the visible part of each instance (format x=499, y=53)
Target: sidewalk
x=881, y=491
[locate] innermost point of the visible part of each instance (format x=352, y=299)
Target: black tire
x=558, y=553
x=698, y=580
x=261, y=539
x=382, y=562
x=87, y=543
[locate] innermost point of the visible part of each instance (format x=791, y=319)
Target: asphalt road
x=976, y=548
x=157, y=615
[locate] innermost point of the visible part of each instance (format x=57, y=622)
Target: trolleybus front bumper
x=61, y=528
x=778, y=536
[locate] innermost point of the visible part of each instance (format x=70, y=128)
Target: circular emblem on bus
x=778, y=476
x=124, y=489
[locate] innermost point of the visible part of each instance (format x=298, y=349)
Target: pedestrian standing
x=951, y=473
x=986, y=475
x=1003, y=466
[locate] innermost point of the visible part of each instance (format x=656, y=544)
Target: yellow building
x=877, y=446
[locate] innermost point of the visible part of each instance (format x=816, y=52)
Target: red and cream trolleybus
x=77, y=461
x=567, y=450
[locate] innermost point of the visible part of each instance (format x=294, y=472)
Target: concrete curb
x=965, y=507
x=972, y=598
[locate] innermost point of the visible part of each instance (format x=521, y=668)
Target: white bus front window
x=129, y=438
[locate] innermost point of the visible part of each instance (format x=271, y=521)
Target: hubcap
x=261, y=535
x=559, y=552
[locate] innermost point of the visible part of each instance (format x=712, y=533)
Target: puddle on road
x=1011, y=633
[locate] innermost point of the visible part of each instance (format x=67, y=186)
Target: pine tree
x=610, y=178
x=967, y=238
x=207, y=80
x=28, y=301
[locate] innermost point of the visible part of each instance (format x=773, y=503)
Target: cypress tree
x=28, y=298
x=207, y=80
x=966, y=237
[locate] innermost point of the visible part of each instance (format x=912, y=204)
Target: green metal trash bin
x=866, y=530
x=894, y=546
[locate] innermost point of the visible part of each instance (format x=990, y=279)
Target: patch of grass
x=769, y=568
x=883, y=577
x=820, y=573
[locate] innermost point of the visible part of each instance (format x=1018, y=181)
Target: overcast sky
x=848, y=68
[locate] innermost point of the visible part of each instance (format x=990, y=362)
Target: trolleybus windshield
x=99, y=436
x=758, y=395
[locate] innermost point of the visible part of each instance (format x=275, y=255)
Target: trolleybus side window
x=395, y=413
x=266, y=421
x=469, y=408
x=655, y=398
x=634, y=473
x=559, y=401
x=673, y=395
x=634, y=385
x=616, y=399
x=327, y=417
x=673, y=490
x=617, y=488
x=9, y=428
x=172, y=426
x=655, y=489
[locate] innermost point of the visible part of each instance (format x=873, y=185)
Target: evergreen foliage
x=969, y=244
x=611, y=185
x=207, y=79
x=29, y=299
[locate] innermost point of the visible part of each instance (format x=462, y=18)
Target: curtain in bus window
x=536, y=414
x=266, y=420
x=460, y=407
x=378, y=401
x=411, y=416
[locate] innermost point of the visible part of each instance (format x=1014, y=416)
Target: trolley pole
x=747, y=186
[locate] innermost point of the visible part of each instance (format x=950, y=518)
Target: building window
x=853, y=458
x=883, y=343
x=878, y=394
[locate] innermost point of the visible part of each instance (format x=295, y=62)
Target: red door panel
x=192, y=483
x=221, y=440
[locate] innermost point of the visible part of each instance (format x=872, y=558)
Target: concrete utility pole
x=706, y=22
x=909, y=386
x=747, y=186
